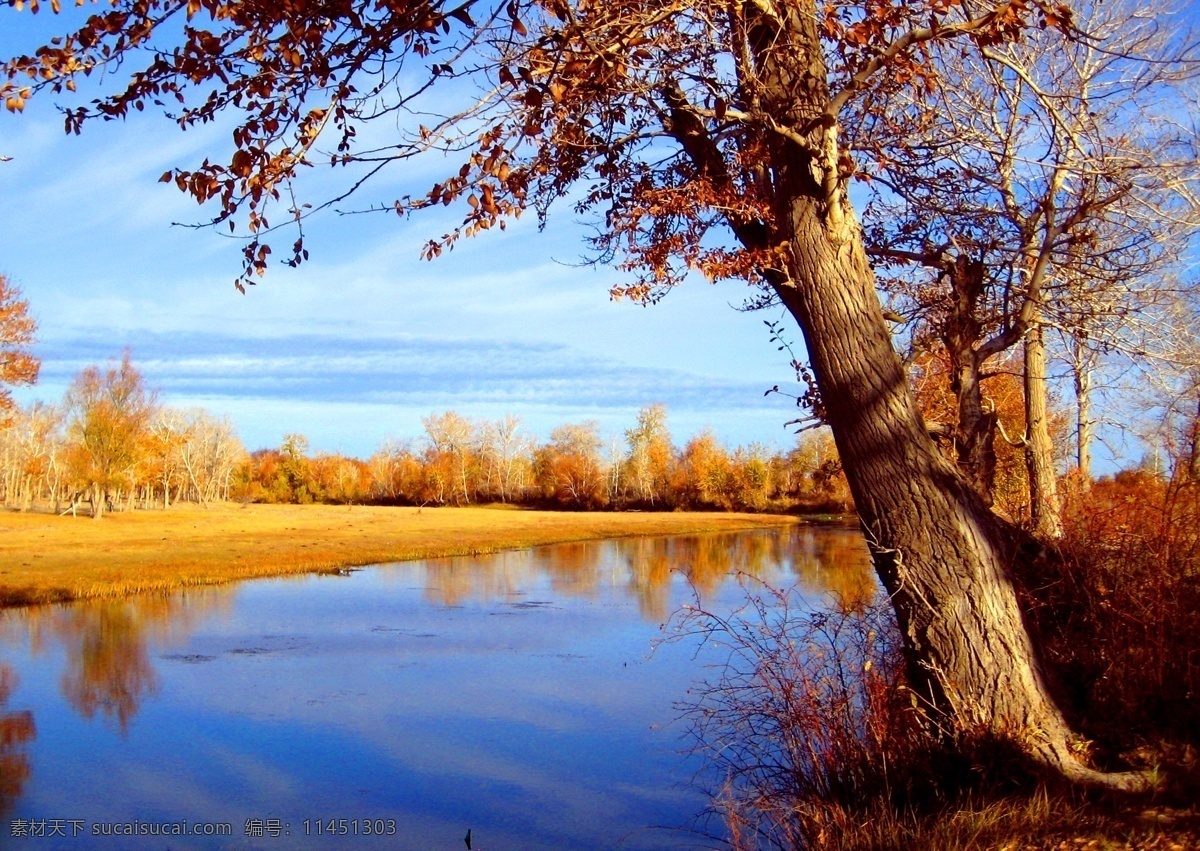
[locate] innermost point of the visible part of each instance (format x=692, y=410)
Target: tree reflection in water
x=836, y=562
x=16, y=731
x=575, y=569
x=823, y=561
x=108, y=644
x=110, y=647
x=832, y=561
x=108, y=666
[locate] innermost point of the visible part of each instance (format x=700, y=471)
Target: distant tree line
x=459, y=461
x=111, y=445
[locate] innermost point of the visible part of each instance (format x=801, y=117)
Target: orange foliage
x=568, y=469
x=16, y=731
x=278, y=475
x=1122, y=609
x=18, y=366
x=109, y=422
x=703, y=477
x=811, y=475
x=1003, y=394
x=120, y=450
x=575, y=94
x=395, y=474
x=336, y=478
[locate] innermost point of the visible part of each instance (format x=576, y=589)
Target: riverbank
x=44, y=558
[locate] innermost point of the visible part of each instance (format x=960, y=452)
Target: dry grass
x=1035, y=822
x=45, y=558
x=810, y=742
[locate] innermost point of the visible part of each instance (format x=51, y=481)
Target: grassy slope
x=45, y=558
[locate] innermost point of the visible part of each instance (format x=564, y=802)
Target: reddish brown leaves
x=286, y=69
x=581, y=98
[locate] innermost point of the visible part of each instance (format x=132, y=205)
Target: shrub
x=1119, y=612
x=809, y=736
x=805, y=718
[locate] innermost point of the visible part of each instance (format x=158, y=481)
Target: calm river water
x=513, y=695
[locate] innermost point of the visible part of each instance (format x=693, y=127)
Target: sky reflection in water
x=511, y=694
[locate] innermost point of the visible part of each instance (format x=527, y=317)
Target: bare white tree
x=209, y=453
x=451, y=438
x=31, y=455
x=506, y=453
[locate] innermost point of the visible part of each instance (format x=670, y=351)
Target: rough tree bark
x=961, y=332
x=1193, y=465
x=945, y=559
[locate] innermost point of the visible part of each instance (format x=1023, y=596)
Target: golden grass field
x=44, y=558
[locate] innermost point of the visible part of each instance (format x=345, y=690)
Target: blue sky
x=363, y=341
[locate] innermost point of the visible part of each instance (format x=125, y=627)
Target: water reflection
x=575, y=569
x=16, y=731
x=394, y=687
x=108, y=645
x=824, y=560
x=108, y=667
x=836, y=564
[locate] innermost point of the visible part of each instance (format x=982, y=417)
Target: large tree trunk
x=946, y=561
x=1044, y=506
x=975, y=438
x=1194, y=449
x=944, y=558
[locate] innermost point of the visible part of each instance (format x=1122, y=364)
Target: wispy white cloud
x=365, y=337
x=382, y=386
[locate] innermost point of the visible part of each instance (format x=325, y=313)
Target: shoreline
x=49, y=559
